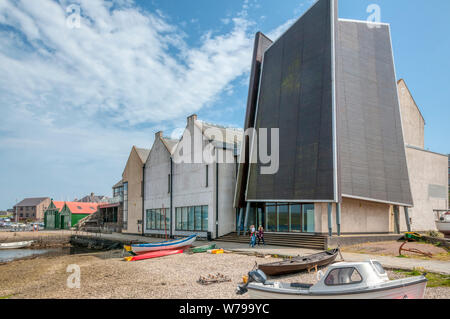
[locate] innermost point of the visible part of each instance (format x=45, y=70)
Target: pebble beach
x=107, y=275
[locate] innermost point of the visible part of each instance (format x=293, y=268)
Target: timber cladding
x=330, y=87
x=296, y=97
x=371, y=148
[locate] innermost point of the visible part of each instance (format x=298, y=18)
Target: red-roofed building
x=63, y=215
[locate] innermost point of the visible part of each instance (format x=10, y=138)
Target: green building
x=64, y=215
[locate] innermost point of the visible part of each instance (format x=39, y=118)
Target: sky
x=74, y=98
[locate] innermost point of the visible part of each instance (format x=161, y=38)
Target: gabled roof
x=143, y=153
x=77, y=207
x=224, y=134
x=169, y=143
x=412, y=97
x=32, y=201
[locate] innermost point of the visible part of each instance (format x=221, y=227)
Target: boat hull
x=155, y=254
x=16, y=245
x=203, y=249
x=299, y=263
x=443, y=227
x=412, y=291
x=167, y=245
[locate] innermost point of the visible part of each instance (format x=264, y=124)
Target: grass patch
x=6, y=297
x=434, y=280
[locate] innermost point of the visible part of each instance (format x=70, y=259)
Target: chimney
x=158, y=135
x=191, y=119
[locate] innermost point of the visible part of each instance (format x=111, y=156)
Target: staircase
x=282, y=239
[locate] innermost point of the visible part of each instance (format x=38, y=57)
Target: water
x=7, y=255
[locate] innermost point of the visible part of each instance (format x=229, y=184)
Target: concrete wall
x=357, y=216
x=429, y=187
x=133, y=175
x=156, y=188
x=189, y=184
x=412, y=120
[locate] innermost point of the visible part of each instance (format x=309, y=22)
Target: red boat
x=154, y=254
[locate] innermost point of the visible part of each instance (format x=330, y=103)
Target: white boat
x=443, y=224
x=170, y=244
x=343, y=280
x=16, y=245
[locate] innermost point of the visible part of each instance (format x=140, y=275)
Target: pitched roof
x=169, y=143
x=223, y=134
x=77, y=207
x=143, y=153
x=32, y=201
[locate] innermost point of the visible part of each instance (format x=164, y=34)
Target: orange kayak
x=154, y=254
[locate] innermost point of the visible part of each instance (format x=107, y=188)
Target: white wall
x=156, y=171
x=425, y=169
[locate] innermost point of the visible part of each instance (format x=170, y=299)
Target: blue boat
x=170, y=244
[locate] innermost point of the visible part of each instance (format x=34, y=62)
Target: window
x=343, y=276
x=378, y=267
x=206, y=181
x=194, y=218
x=157, y=219
x=125, y=205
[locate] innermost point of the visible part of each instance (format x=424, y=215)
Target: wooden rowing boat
x=203, y=249
x=297, y=264
x=16, y=245
x=154, y=254
x=165, y=245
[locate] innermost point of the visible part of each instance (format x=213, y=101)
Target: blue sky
x=73, y=101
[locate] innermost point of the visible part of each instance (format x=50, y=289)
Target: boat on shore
x=297, y=264
x=16, y=245
x=154, y=254
x=343, y=280
x=203, y=249
x=443, y=224
x=165, y=245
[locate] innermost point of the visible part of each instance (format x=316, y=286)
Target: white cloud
x=109, y=84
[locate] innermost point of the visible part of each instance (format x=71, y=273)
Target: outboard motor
x=257, y=276
x=253, y=276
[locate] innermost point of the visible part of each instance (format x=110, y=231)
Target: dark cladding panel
x=296, y=97
x=371, y=150
x=262, y=43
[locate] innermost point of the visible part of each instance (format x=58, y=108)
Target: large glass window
x=184, y=214
x=308, y=218
x=194, y=218
x=178, y=218
x=282, y=217
x=296, y=218
x=198, y=218
x=205, y=218
x=272, y=220
x=191, y=218
x=155, y=219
